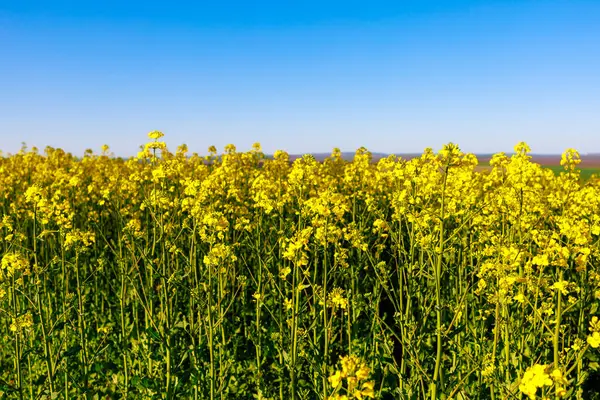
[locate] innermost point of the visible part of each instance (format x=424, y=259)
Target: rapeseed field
x=237, y=276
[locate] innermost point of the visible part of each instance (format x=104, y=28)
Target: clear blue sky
x=303, y=76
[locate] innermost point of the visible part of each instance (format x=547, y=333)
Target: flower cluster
x=355, y=372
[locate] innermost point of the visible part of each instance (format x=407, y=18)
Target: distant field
x=586, y=172
x=590, y=164
x=553, y=160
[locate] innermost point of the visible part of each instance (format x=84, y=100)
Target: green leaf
x=153, y=334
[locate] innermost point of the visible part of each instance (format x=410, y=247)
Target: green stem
x=556, y=336
x=438, y=299
x=81, y=324
x=18, y=372
x=326, y=330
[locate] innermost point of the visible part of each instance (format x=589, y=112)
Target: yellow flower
x=22, y=323
x=594, y=339
x=349, y=364
x=535, y=377
x=155, y=135
x=256, y=147
x=594, y=325
x=13, y=263
x=562, y=286
x=339, y=397
x=363, y=372
x=352, y=382
x=570, y=158
x=155, y=145
x=520, y=298
x=577, y=345
x=335, y=379
x=104, y=330
x=33, y=194
x=337, y=299
x=522, y=148
x=284, y=272
x=258, y=297
x=365, y=391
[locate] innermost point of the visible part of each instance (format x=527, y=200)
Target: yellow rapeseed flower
x=594, y=339
x=155, y=135
x=535, y=377
x=335, y=379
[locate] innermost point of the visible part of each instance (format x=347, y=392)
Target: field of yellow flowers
x=237, y=276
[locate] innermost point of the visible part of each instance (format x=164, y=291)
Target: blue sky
x=303, y=76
